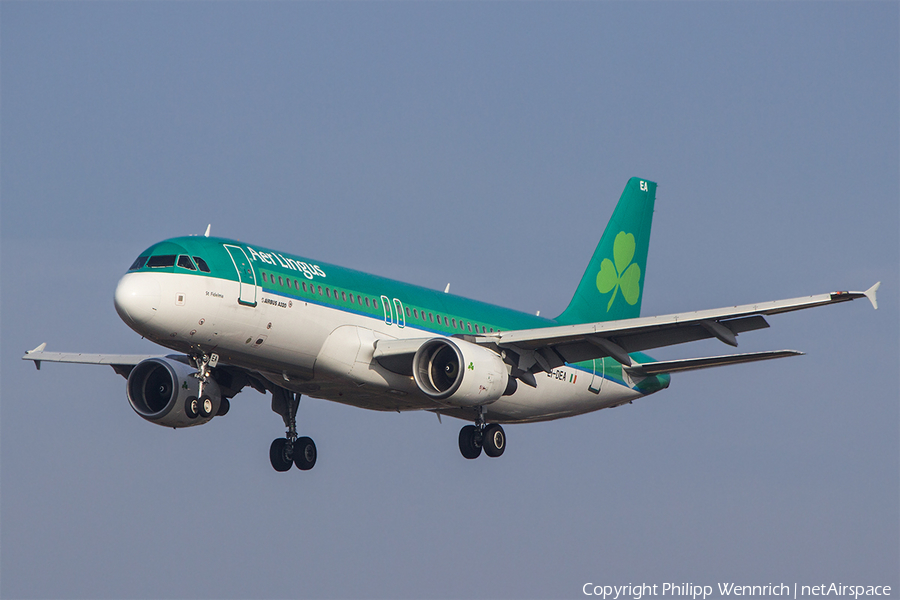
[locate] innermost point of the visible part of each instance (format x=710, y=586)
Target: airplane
x=239, y=315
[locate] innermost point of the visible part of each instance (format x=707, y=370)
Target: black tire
x=469, y=442
x=305, y=453
x=207, y=406
x=192, y=407
x=224, y=405
x=281, y=455
x=494, y=440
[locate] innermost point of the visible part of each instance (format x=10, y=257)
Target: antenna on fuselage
x=207, y=230
x=447, y=289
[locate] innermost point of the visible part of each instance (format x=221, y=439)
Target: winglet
x=40, y=348
x=870, y=294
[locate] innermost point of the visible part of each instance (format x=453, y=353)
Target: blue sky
x=485, y=145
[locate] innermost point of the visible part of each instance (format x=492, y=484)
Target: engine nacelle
x=164, y=391
x=459, y=373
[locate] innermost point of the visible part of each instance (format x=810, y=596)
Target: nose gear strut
x=203, y=363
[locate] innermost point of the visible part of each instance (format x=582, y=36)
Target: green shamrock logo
x=621, y=275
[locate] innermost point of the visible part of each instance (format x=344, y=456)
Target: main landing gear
x=474, y=438
x=290, y=450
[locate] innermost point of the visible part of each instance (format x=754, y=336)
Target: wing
x=545, y=349
x=231, y=379
x=121, y=363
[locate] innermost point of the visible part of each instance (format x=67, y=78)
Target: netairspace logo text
x=694, y=591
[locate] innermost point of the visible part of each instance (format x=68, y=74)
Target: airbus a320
x=237, y=315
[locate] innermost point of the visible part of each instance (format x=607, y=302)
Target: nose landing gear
x=290, y=450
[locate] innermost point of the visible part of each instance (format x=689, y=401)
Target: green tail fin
x=613, y=285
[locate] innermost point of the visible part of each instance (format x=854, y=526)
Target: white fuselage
x=325, y=352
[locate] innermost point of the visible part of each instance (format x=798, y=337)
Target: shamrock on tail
x=621, y=275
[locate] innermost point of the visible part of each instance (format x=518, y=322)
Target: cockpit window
x=138, y=263
x=161, y=261
x=185, y=263
x=202, y=264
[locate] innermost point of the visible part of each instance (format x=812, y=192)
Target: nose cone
x=137, y=298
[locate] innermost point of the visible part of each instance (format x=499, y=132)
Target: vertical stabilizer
x=613, y=284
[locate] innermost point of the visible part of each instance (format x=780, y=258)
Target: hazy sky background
x=482, y=144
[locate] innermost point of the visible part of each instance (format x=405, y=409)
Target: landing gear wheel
x=470, y=441
x=206, y=407
x=494, y=440
x=305, y=453
x=192, y=407
x=281, y=454
x=224, y=405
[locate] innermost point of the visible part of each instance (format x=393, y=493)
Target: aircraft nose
x=137, y=298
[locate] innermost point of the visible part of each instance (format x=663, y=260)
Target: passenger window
x=446, y=323
x=469, y=325
x=344, y=296
x=415, y=313
x=202, y=264
x=359, y=299
x=162, y=261
x=328, y=292
x=320, y=290
x=304, y=286
x=454, y=323
x=367, y=301
x=138, y=263
x=351, y=298
x=430, y=318
x=264, y=277
x=407, y=311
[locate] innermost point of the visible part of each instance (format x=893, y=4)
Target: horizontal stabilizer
x=692, y=364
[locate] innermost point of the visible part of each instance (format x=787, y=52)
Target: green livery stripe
x=345, y=281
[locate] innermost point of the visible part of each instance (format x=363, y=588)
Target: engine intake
x=459, y=373
x=164, y=391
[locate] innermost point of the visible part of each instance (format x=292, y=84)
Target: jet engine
x=458, y=373
x=164, y=391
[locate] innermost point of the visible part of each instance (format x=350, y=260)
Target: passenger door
x=246, y=275
x=597, y=377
